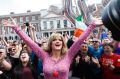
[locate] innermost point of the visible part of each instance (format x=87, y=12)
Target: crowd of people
x=92, y=55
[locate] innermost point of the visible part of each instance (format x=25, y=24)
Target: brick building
x=33, y=17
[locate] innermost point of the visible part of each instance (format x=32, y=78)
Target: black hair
x=108, y=44
x=18, y=69
x=69, y=43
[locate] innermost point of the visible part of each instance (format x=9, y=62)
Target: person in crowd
x=14, y=57
x=103, y=34
x=106, y=41
x=85, y=66
x=66, y=36
x=56, y=58
x=37, y=61
x=110, y=63
x=95, y=49
x=5, y=64
x=25, y=69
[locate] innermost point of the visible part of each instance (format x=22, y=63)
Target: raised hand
x=87, y=59
x=8, y=23
x=31, y=26
x=98, y=22
x=95, y=60
x=77, y=59
x=112, y=67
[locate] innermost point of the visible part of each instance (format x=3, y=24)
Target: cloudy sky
x=21, y=6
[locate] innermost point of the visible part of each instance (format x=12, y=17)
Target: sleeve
x=76, y=45
x=38, y=51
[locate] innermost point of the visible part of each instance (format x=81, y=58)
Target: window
x=27, y=19
x=72, y=25
x=65, y=23
x=21, y=19
x=36, y=17
x=33, y=18
x=15, y=19
x=45, y=24
x=51, y=25
x=45, y=34
x=58, y=23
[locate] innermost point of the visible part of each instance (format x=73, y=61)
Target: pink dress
x=55, y=69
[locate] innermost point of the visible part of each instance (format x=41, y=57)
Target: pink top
x=49, y=65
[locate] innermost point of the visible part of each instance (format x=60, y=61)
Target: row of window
x=46, y=34
x=52, y=24
x=27, y=19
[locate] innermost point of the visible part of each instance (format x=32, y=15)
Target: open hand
x=98, y=22
x=8, y=23
x=95, y=60
x=77, y=59
x=31, y=26
x=87, y=59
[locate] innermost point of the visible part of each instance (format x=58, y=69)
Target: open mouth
x=23, y=57
x=57, y=45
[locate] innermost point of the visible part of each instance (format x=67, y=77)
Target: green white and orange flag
x=80, y=26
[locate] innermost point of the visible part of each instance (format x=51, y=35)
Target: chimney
x=28, y=11
x=11, y=12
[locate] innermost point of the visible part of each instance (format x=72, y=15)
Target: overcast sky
x=21, y=6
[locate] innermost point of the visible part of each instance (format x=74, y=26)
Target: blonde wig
x=52, y=37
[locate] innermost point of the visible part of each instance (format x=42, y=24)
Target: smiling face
x=24, y=57
x=57, y=43
x=13, y=51
x=108, y=50
x=84, y=49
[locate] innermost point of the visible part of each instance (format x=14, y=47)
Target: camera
x=111, y=18
x=27, y=24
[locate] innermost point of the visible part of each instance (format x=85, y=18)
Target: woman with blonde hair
x=56, y=59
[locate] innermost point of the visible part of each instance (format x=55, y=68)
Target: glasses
x=95, y=41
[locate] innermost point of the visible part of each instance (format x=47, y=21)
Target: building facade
x=45, y=25
x=52, y=22
x=45, y=21
x=21, y=18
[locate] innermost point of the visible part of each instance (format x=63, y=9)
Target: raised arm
x=76, y=45
x=32, y=32
x=38, y=51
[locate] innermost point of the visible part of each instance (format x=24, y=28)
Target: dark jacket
x=84, y=69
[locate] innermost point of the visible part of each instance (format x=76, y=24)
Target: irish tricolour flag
x=80, y=26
